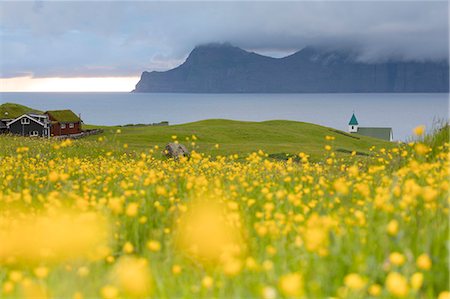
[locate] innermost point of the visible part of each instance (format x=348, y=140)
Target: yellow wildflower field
x=78, y=221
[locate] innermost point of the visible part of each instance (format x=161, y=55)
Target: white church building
x=374, y=132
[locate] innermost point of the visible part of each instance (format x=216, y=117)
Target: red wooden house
x=64, y=122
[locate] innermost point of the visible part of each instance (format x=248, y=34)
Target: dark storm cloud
x=46, y=39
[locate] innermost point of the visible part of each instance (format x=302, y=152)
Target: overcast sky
x=98, y=39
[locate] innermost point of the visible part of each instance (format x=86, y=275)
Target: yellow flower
x=444, y=295
x=110, y=259
x=176, y=269
x=397, y=284
x=250, y=263
x=15, y=276
x=7, y=287
x=354, y=281
x=132, y=209
x=83, y=271
x=41, y=272
x=109, y=292
x=341, y=186
x=207, y=282
x=423, y=262
x=375, y=290
x=353, y=170
x=397, y=258
x=128, y=247
x=77, y=295
x=53, y=176
x=416, y=280
x=232, y=266
x=205, y=234
x=316, y=234
x=421, y=149
x=429, y=194
x=271, y=250
x=132, y=276
x=34, y=290
x=267, y=265
x=22, y=149
x=268, y=292
x=291, y=285
x=419, y=130
x=56, y=236
x=392, y=227
x=153, y=245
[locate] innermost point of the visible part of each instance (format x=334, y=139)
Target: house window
x=63, y=126
x=352, y=127
x=71, y=125
x=25, y=121
x=34, y=133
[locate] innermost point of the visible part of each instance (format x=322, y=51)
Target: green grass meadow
x=277, y=137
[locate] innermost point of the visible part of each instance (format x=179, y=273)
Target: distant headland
x=223, y=68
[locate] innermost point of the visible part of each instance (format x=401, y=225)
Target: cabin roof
x=353, y=121
x=27, y=116
x=63, y=115
x=381, y=133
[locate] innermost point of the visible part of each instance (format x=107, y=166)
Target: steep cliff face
x=222, y=68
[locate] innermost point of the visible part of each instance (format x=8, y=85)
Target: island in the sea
x=223, y=68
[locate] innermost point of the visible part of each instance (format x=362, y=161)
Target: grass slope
x=11, y=110
x=238, y=137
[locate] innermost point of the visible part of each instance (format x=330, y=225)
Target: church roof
x=381, y=133
x=353, y=120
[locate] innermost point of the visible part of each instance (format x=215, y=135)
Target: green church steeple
x=353, y=121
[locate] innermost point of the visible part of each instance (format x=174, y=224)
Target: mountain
x=223, y=68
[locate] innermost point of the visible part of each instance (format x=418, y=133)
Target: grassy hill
x=11, y=110
x=277, y=137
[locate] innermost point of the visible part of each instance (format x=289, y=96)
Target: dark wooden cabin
x=33, y=125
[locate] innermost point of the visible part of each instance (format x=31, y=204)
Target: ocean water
x=402, y=111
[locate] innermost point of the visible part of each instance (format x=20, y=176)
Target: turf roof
x=63, y=115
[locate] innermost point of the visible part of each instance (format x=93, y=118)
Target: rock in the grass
x=176, y=150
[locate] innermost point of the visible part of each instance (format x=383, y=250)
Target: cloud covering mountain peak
x=123, y=38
